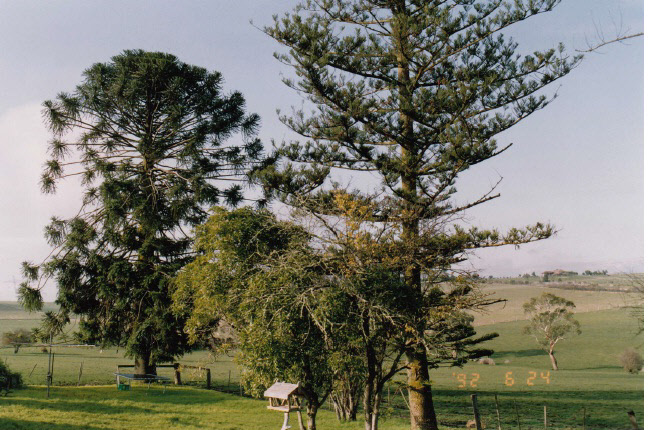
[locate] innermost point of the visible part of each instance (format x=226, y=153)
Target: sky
x=577, y=164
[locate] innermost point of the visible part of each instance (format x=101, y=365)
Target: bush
x=487, y=360
x=16, y=338
x=8, y=380
x=631, y=360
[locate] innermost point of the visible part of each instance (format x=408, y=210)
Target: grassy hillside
x=589, y=293
x=590, y=377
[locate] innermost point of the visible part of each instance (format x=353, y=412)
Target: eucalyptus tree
x=148, y=137
x=413, y=92
x=551, y=320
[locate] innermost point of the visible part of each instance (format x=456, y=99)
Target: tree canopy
x=551, y=320
x=261, y=277
x=148, y=137
x=413, y=93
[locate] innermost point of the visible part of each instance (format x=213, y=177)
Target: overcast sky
x=577, y=164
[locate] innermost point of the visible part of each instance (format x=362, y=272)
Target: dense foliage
x=412, y=92
x=311, y=314
x=147, y=135
x=8, y=379
x=258, y=275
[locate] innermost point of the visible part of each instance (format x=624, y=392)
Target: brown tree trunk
x=144, y=366
x=554, y=362
x=422, y=416
x=376, y=407
x=368, y=401
x=311, y=413
x=368, y=405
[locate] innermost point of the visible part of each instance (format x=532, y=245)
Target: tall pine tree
x=413, y=91
x=147, y=135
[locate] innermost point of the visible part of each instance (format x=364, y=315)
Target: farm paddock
x=590, y=384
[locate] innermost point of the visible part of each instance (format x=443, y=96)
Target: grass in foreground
x=103, y=407
x=590, y=377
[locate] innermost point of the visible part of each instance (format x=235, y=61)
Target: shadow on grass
x=11, y=424
x=69, y=405
x=602, y=409
x=598, y=368
x=520, y=353
x=107, y=400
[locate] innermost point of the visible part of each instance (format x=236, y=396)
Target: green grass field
x=590, y=377
x=102, y=407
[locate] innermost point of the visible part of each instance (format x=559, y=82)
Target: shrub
x=487, y=360
x=17, y=336
x=631, y=360
x=8, y=379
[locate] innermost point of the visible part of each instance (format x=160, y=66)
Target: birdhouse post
x=284, y=397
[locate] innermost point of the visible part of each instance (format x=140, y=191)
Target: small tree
x=551, y=320
x=631, y=360
x=260, y=276
x=634, y=298
x=16, y=338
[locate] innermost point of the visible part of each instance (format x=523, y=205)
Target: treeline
x=359, y=284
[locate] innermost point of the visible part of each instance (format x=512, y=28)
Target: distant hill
x=13, y=310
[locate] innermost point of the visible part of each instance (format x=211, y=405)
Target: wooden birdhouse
x=285, y=397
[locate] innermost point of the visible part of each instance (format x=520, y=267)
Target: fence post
x=545, y=417
x=208, y=379
x=473, y=397
x=80, y=373
x=499, y=424
x=177, y=379
x=633, y=420
x=517, y=413
x=584, y=415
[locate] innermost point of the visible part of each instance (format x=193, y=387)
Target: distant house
x=559, y=272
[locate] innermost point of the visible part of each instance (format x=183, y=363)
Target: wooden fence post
x=499, y=424
x=517, y=414
x=208, y=378
x=177, y=378
x=545, y=417
x=473, y=397
x=80, y=373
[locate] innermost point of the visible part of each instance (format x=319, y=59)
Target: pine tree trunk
x=422, y=415
x=368, y=400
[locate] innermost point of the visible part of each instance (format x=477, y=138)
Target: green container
x=123, y=387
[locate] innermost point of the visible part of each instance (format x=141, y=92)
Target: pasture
x=590, y=382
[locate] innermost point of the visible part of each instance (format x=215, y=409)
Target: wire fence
x=87, y=365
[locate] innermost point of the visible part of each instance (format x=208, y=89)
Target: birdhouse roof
x=281, y=390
